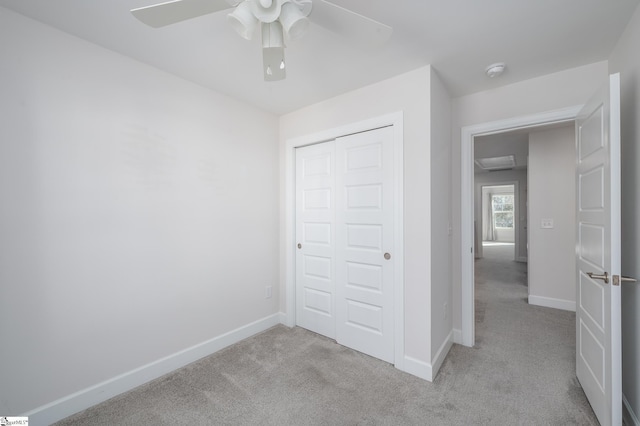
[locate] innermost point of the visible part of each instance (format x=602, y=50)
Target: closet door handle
x=387, y=256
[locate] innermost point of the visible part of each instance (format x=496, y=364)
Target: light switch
x=547, y=224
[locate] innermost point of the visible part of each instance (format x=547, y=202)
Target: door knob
x=617, y=279
x=299, y=245
x=604, y=277
x=387, y=256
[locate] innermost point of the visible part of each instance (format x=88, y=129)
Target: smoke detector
x=494, y=70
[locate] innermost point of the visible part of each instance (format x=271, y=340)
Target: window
x=502, y=211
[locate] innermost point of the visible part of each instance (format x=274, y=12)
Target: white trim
x=629, y=417
x=615, y=215
x=398, y=232
x=441, y=355
x=418, y=368
x=396, y=120
x=81, y=400
x=467, y=199
x=282, y=318
x=427, y=371
x=457, y=336
x=550, y=302
x=523, y=259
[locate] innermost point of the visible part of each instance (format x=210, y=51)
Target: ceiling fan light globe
x=266, y=14
x=305, y=6
x=243, y=21
x=294, y=22
x=298, y=29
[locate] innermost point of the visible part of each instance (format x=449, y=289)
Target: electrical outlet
x=267, y=292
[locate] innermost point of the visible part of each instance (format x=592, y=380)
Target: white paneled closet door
x=315, y=235
x=364, y=242
x=344, y=231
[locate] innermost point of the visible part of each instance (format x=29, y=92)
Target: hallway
x=528, y=352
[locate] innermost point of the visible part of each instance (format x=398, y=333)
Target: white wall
x=551, y=92
x=133, y=203
x=505, y=235
x=552, y=252
x=441, y=321
x=411, y=94
x=625, y=59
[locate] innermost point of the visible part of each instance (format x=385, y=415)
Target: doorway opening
x=470, y=242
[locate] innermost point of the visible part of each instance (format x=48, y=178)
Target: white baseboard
x=629, y=417
x=457, y=336
x=284, y=319
x=417, y=368
x=424, y=370
x=441, y=355
x=81, y=400
x=549, y=302
x=523, y=259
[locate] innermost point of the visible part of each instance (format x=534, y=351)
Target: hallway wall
x=552, y=255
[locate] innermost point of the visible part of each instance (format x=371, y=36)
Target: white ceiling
x=502, y=144
x=458, y=37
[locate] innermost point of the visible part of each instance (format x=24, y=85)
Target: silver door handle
x=604, y=277
x=617, y=279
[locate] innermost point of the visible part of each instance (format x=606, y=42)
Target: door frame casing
x=467, y=200
x=396, y=121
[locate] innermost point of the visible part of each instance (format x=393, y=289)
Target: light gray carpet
x=522, y=372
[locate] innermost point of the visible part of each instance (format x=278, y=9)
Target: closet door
x=364, y=253
x=315, y=238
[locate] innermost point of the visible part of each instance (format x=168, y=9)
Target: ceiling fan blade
x=160, y=15
x=349, y=24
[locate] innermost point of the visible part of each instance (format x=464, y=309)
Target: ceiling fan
x=276, y=20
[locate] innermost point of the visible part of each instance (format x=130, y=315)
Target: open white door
x=598, y=318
